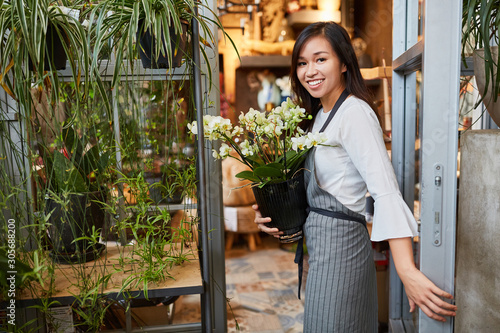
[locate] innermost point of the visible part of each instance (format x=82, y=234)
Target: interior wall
x=373, y=23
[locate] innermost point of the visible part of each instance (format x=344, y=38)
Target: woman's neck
x=328, y=101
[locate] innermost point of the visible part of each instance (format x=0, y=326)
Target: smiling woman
x=341, y=287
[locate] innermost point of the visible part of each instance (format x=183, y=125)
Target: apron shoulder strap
x=337, y=105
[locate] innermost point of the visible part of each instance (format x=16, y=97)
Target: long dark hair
x=341, y=45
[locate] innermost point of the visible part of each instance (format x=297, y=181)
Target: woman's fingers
x=440, y=307
x=433, y=306
x=428, y=297
x=412, y=305
x=431, y=314
x=442, y=293
x=261, y=223
x=271, y=231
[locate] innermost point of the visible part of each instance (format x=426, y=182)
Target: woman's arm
x=419, y=289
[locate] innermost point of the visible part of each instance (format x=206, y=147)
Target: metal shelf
x=266, y=61
x=186, y=278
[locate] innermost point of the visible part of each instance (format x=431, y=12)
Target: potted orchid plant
x=274, y=147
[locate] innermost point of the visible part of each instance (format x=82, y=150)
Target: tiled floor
x=262, y=288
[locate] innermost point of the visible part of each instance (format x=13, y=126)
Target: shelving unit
x=203, y=275
x=376, y=73
x=186, y=279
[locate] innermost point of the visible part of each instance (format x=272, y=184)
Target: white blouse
x=358, y=163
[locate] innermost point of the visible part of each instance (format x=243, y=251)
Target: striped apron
x=341, y=291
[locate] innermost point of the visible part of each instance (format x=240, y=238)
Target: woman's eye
x=321, y=60
x=301, y=63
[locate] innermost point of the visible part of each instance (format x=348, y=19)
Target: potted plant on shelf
x=32, y=31
x=480, y=28
x=274, y=148
x=166, y=24
x=75, y=174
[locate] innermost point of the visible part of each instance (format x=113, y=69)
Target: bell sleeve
x=362, y=139
x=392, y=218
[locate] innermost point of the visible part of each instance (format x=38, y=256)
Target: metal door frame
x=437, y=55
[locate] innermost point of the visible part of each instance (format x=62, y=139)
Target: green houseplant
x=76, y=173
x=168, y=22
x=480, y=25
x=30, y=31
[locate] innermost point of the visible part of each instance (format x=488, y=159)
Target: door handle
x=438, y=204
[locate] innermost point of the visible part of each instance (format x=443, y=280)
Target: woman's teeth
x=315, y=82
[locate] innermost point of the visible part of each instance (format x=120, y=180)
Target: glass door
x=426, y=65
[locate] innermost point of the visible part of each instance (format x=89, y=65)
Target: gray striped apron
x=341, y=291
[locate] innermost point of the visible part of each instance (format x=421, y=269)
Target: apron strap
x=333, y=111
x=338, y=215
x=299, y=259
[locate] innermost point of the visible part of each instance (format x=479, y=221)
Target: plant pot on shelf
x=155, y=190
x=75, y=219
x=285, y=203
x=54, y=52
x=480, y=74
x=176, y=197
x=147, y=46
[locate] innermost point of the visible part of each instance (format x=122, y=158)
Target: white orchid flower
x=193, y=127
x=246, y=148
x=314, y=139
x=298, y=143
x=224, y=150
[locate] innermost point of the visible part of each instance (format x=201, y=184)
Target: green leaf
x=73, y=144
x=67, y=176
x=255, y=161
x=266, y=171
x=249, y=175
x=278, y=166
x=290, y=155
x=90, y=161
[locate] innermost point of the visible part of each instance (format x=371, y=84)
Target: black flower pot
x=177, y=45
x=54, y=52
x=72, y=218
x=155, y=191
x=285, y=203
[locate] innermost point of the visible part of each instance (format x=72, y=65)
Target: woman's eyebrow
x=319, y=52
x=315, y=54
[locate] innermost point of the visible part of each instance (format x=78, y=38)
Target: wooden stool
x=240, y=220
x=238, y=213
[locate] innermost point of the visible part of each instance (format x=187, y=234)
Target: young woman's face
x=319, y=70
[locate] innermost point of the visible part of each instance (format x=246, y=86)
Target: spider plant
x=26, y=29
x=480, y=23
x=121, y=21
